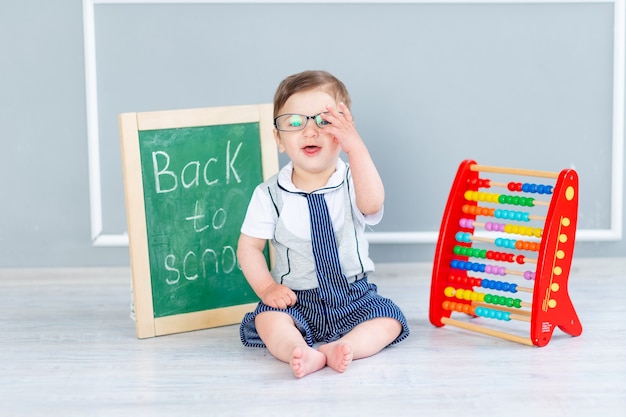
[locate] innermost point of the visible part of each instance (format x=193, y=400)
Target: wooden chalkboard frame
x=130, y=125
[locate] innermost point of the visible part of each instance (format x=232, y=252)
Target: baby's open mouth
x=311, y=149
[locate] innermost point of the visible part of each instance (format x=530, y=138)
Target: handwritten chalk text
x=194, y=172
x=192, y=265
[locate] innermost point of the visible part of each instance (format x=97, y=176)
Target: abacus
x=511, y=270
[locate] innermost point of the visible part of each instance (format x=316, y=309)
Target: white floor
x=68, y=348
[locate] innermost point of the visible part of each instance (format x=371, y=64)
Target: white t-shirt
x=259, y=220
x=290, y=232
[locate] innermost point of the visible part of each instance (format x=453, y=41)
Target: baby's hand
x=278, y=296
x=342, y=127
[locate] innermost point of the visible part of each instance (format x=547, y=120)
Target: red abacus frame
x=454, y=290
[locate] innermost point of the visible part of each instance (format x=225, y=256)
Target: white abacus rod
x=481, y=224
x=489, y=332
x=526, y=260
x=514, y=171
x=530, y=217
x=498, y=184
x=535, y=202
x=513, y=272
x=519, y=318
x=505, y=308
x=523, y=289
x=520, y=315
x=476, y=238
x=541, y=203
x=482, y=239
x=487, y=196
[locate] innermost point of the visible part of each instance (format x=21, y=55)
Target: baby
x=317, y=307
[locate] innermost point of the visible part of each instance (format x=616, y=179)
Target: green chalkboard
x=197, y=184
x=189, y=176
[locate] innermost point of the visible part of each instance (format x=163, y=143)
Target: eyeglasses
x=292, y=122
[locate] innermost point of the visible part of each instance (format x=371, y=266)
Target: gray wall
x=526, y=85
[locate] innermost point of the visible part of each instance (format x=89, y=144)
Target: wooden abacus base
x=487, y=331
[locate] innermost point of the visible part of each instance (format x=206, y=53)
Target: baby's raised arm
x=368, y=186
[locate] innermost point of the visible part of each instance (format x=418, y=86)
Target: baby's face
x=310, y=149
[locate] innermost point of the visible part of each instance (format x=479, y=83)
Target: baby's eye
x=320, y=121
x=295, y=120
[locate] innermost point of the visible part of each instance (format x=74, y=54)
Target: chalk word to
x=217, y=222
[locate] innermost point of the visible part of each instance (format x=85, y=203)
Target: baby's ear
x=279, y=141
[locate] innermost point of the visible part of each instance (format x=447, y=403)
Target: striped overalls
x=328, y=312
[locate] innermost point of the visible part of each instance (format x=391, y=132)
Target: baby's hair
x=309, y=80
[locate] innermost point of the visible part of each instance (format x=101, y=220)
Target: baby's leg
x=284, y=341
x=366, y=339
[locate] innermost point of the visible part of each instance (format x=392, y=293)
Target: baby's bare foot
x=306, y=360
x=338, y=356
